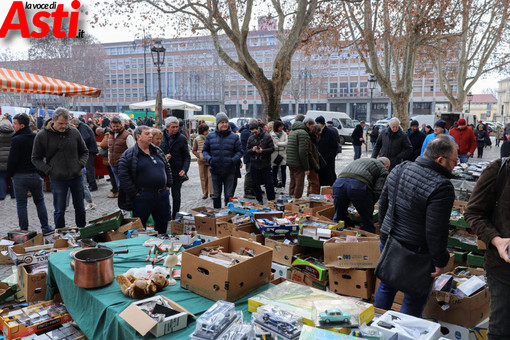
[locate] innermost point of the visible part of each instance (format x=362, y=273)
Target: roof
x=482, y=98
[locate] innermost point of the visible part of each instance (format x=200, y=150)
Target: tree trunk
x=401, y=105
x=457, y=105
x=270, y=106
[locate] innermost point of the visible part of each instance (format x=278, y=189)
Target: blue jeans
x=222, y=182
x=115, y=170
x=357, y=151
x=347, y=190
x=412, y=305
x=463, y=158
x=3, y=185
x=86, y=193
x=156, y=204
x=23, y=183
x=59, y=189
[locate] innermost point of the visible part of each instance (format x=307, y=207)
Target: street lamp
x=305, y=75
x=371, y=85
x=158, y=57
x=145, y=42
x=469, y=98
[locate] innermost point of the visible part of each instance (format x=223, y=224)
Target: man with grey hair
x=145, y=180
x=298, y=146
x=414, y=210
x=61, y=154
x=175, y=147
x=393, y=143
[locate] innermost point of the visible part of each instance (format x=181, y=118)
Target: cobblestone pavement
x=191, y=197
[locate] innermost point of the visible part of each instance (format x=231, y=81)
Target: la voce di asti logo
x=46, y=13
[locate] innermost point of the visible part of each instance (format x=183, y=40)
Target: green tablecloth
x=97, y=311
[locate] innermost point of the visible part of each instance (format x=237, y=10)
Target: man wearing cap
x=465, y=139
x=328, y=148
x=439, y=128
x=357, y=139
x=222, y=150
x=416, y=137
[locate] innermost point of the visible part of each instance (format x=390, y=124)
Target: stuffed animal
x=141, y=288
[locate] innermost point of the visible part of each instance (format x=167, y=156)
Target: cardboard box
x=307, y=280
x=119, y=234
x=143, y=323
x=223, y=229
x=362, y=254
x=326, y=214
x=310, y=207
x=454, y=332
x=352, y=282
x=21, y=255
x=4, y=250
x=278, y=230
x=32, y=285
x=249, y=232
x=280, y=270
x=466, y=312
x=7, y=290
x=283, y=253
x=326, y=190
x=206, y=225
x=217, y=282
x=181, y=229
x=402, y=326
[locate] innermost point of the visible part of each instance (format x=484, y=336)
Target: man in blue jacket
x=175, y=147
x=222, y=150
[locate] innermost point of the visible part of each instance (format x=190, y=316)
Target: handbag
x=278, y=159
x=403, y=268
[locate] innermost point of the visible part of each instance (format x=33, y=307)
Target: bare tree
x=478, y=46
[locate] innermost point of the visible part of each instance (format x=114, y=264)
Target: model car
x=215, y=320
x=333, y=315
x=279, y=323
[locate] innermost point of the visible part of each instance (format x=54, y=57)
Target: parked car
x=334, y=315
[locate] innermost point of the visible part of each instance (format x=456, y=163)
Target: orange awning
x=17, y=81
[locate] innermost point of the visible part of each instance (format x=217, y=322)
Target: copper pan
x=93, y=267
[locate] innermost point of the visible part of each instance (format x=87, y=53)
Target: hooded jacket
x=298, y=146
x=60, y=155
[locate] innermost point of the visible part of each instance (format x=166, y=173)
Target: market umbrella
x=17, y=81
x=168, y=103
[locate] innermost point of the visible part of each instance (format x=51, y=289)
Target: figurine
x=334, y=315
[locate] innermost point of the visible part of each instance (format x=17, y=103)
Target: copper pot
x=93, y=267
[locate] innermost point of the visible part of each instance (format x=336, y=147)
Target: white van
x=341, y=121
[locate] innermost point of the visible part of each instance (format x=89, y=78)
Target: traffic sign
x=245, y=105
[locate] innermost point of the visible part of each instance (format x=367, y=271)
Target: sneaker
x=91, y=206
x=113, y=195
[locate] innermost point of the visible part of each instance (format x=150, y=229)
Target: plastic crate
x=102, y=224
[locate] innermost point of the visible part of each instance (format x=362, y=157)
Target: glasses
x=456, y=161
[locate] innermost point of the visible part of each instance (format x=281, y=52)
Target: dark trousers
x=327, y=175
x=347, y=190
x=412, y=305
x=91, y=171
x=480, y=151
x=156, y=204
x=248, y=186
x=221, y=183
x=30, y=182
x=176, y=194
x=283, y=169
x=499, y=327
x=260, y=176
x=297, y=182
x=113, y=181
x=59, y=190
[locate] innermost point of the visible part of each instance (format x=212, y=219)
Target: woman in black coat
x=481, y=136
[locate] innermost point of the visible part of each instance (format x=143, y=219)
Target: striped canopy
x=17, y=81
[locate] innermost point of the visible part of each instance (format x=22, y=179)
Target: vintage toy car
x=334, y=315
x=215, y=320
x=275, y=320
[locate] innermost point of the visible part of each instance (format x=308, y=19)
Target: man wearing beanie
x=416, y=137
x=222, y=151
x=465, y=139
x=439, y=128
x=328, y=148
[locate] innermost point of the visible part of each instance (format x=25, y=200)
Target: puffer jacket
x=369, y=171
x=60, y=155
x=298, y=146
x=479, y=217
x=394, y=145
x=260, y=160
x=280, y=147
x=6, y=132
x=222, y=150
x=423, y=206
x=179, y=150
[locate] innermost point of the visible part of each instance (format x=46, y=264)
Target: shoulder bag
x=401, y=267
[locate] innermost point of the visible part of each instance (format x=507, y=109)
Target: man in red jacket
x=465, y=139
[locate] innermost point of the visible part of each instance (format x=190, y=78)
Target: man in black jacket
x=245, y=133
x=145, y=178
x=24, y=174
x=416, y=209
x=89, y=137
x=175, y=147
x=416, y=137
x=328, y=148
x=259, y=148
x=393, y=143
x=357, y=139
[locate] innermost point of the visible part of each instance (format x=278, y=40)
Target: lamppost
x=145, y=42
x=305, y=75
x=371, y=85
x=469, y=98
x=158, y=57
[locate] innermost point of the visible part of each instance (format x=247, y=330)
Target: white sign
x=245, y=105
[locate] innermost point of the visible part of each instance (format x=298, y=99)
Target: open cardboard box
x=326, y=213
x=362, y=254
x=21, y=254
x=249, y=232
x=33, y=285
x=143, y=323
x=218, y=282
x=282, y=252
x=5, y=259
x=310, y=207
x=206, y=225
x=276, y=230
x=119, y=234
x=352, y=282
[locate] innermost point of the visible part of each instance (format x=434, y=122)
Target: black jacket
x=245, y=134
x=20, y=155
x=328, y=143
x=356, y=135
x=423, y=206
x=394, y=145
x=416, y=138
x=374, y=134
x=180, y=159
x=260, y=160
x=88, y=136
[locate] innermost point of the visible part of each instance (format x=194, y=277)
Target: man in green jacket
x=297, y=154
x=361, y=183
